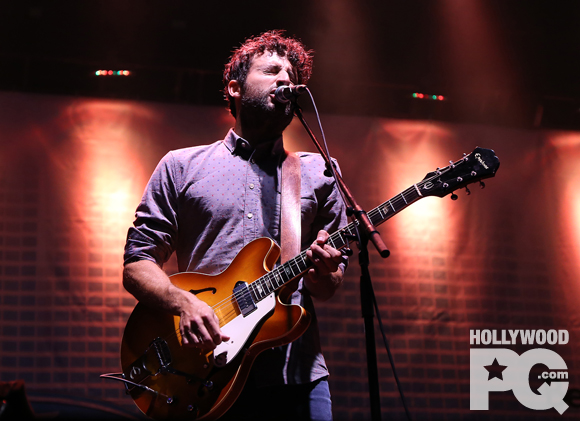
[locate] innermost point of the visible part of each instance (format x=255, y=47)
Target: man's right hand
x=200, y=326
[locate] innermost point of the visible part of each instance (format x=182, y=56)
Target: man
x=205, y=203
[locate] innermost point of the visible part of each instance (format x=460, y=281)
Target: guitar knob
x=347, y=251
x=453, y=196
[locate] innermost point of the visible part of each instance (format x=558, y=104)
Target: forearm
x=150, y=285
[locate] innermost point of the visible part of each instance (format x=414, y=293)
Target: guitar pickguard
x=240, y=329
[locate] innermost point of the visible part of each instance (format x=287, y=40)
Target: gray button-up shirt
x=207, y=202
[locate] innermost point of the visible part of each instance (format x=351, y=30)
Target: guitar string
x=227, y=317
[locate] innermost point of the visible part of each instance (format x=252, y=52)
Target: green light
x=434, y=96
x=415, y=95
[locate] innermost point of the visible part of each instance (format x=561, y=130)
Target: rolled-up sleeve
x=153, y=235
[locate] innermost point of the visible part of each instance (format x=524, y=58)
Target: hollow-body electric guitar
x=170, y=381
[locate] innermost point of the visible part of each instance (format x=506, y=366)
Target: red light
x=440, y=97
x=110, y=72
x=126, y=73
x=420, y=96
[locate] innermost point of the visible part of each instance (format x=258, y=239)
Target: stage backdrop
x=507, y=257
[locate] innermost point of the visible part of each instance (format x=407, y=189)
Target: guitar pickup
x=244, y=298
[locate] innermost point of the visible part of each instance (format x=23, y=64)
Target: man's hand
x=200, y=326
x=325, y=276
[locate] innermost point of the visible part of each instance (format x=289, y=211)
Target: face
x=267, y=72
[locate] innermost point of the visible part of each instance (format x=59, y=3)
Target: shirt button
x=252, y=186
x=250, y=215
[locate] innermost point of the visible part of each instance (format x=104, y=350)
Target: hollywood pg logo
x=501, y=369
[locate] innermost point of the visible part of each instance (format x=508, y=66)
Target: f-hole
x=198, y=291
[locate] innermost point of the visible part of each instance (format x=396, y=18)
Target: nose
x=283, y=78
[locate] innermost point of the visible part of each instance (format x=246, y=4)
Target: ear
x=234, y=89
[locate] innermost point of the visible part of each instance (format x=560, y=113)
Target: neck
x=256, y=135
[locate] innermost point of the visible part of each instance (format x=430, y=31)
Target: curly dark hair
x=240, y=61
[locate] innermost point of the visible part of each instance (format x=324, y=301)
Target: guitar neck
x=297, y=266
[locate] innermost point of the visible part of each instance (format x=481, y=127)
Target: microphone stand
x=368, y=233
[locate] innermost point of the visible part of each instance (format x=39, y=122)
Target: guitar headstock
x=478, y=165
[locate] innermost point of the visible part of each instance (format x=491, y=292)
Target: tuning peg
x=481, y=184
x=467, y=191
x=453, y=196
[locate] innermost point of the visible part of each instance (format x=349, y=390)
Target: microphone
x=285, y=93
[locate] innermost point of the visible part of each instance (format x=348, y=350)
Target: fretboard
x=297, y=266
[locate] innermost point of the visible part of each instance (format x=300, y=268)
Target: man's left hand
x=325, y=276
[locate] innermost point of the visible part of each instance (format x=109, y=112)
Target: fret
x=289, y=264
x=376, y=217
x=304, y=263
x=260, y=289
x=331, y=241
x=251, y=290
x=380, y=213
x=394, y=210
x=286, y=272
x=418, y=191
x=403, y=198
x=269, y=279
x=264, y=286
x=279, y=282
x=337, y=242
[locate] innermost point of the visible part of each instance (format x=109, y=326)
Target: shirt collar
x=240, y=146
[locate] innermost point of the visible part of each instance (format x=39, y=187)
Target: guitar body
x=170, y=381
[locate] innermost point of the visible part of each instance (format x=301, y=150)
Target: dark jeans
x=309, y=401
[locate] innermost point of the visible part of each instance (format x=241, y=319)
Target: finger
x=321, y=238
x=327, y=259
x=327, y=255
x=205, y=339
x=213, y=327
x=223, y=336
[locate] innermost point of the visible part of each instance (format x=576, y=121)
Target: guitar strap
x=291, y=218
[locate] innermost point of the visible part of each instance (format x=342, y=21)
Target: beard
x=259, y=112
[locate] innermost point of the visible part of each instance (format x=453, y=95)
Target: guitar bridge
x=163, y=353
